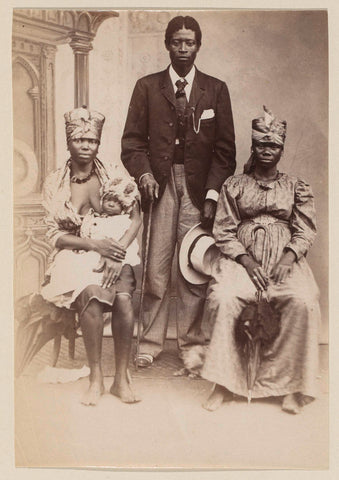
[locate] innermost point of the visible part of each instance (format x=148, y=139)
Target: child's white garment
x=72, y=270
x=99, y=226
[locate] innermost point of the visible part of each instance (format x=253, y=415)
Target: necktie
x=181, y=84
x=181, y=103
x=181, y=100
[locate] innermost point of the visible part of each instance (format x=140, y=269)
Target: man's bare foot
x=94, y=392
x=291, y=404
x=218, y=396
x=123, y=390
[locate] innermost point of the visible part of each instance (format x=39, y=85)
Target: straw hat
x=197, y=252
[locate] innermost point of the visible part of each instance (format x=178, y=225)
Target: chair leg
x=71, y=344
x=72, y=337
x=56, y=350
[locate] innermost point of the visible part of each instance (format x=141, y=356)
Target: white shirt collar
x=189, y=79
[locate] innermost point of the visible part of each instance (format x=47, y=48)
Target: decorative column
x=34, y=92
x=47, y=85
x=81, y=44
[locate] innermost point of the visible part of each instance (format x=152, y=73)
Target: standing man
x=178, y=143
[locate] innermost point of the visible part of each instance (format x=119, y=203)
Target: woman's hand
x=283, y=268
x=256, y=273
x=108, y=247
x=111, y=270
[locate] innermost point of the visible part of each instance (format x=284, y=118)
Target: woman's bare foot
x=122, y=388
x=96, y=385
x=291, y=404
x=94, y=392
x=218, y=396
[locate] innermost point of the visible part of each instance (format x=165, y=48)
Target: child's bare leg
x=91, y=322
x=122, y=330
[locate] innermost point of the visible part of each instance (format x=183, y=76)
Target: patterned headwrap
x=124, y=190
x=81, y=123
x=266, y=129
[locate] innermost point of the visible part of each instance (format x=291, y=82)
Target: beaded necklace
x=75, y=179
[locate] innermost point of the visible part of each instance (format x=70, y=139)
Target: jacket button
x=171, y=124
x=166, y=158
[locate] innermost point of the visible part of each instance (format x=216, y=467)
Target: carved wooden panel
x=30, y=248
x=34, y=153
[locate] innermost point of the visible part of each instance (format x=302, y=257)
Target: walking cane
x=143, y=281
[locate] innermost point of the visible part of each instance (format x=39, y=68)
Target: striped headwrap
x=81, y=123
x=268, y=129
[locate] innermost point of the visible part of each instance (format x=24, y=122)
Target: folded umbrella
x=257, y=326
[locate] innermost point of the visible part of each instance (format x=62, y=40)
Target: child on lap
x=118, y=199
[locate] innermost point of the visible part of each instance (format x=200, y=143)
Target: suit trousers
x=172, y=217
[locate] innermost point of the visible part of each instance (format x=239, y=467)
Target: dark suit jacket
x=150, y=131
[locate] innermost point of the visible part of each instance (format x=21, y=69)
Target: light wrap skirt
x=290, y=363
x=73, y=288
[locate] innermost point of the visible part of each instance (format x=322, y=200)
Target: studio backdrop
x=60, y=58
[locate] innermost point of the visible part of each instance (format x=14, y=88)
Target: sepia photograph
x=171, y=238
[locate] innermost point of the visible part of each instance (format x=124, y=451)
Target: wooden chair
x=72, y=336
x=71, y=343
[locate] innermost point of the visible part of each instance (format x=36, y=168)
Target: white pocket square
x=207, y=114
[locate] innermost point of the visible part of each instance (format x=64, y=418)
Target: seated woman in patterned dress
x=69, y=194
x=271, y=260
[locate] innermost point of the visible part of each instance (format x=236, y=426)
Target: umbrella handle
x=143, y=282
x=264, y=259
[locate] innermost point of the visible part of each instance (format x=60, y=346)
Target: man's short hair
x=177, y=23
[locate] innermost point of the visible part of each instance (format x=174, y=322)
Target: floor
x=168, y=428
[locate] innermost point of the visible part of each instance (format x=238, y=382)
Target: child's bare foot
x=122, y=389
x=290, y=404
x=93, y=394
x=218, y=396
